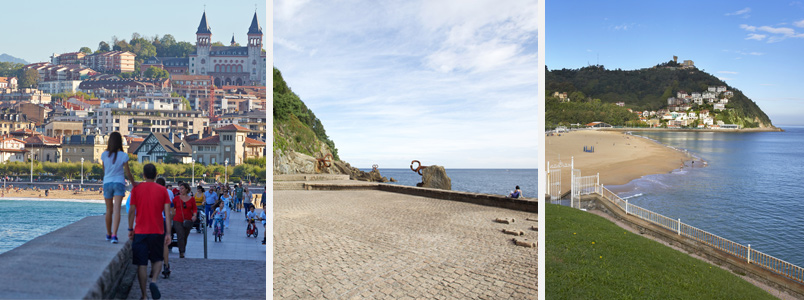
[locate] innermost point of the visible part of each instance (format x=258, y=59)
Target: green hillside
x=643, y=89
x=295, y=126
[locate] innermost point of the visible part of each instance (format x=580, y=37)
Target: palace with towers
x=229, y=65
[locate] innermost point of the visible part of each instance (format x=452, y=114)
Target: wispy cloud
x=776, y=34
x=754, y=36
x=743, y=13
x=799, y=23
x=389, y=78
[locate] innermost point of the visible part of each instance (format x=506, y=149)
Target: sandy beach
x=53, y=194
x=619, y=158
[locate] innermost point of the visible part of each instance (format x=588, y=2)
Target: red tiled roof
x=25, y=131
x=250, y=141
x=41, y=139
x=211, y=140
x=232, y=127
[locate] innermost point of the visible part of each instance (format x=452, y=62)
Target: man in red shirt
x=148, y=201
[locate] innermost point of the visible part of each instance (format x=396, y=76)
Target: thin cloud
x=799, y=23
x=775, y=34
x=743, y=12
x=755, y=36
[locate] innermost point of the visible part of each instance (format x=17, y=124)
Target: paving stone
x=384, y=245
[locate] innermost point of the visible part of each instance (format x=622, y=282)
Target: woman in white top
x=115, y=173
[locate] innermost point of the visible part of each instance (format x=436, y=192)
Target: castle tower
x=255, y=50
x=232, y=43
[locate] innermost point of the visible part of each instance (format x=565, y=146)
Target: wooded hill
x=295, y=126
x=643, y=89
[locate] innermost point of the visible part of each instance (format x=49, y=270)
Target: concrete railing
x=740, y=258
x=74, y=262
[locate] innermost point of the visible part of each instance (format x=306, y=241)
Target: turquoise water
x=487, y=181
x=24, y=220
x=750, y=192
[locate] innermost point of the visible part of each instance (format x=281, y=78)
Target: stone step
x=295, y=185
x=310, y=177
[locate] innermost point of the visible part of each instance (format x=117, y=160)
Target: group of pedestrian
x=156, y=210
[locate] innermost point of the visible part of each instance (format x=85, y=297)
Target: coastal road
x=368, y=244
x=235, y=268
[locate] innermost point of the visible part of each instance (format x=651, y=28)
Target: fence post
x=679, y=226
x=597, y=185
x=748, y=255
x=626, y=207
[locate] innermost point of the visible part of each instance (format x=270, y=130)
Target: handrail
x=751, y=256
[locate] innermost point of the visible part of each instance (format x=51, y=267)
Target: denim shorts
x=112, y=189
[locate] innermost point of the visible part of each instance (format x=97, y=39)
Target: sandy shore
x=54, y=194
x=619, y=158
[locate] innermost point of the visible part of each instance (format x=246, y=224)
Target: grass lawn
x=589, y=257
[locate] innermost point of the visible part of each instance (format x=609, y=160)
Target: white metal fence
x=554, y=186
x=583, y=185
x=751, y=256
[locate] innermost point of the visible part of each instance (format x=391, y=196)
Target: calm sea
x=22, y=221
x=487, y=181
x=751, y=192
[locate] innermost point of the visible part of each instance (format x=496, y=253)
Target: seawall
x=521, y=204
x=73, y=262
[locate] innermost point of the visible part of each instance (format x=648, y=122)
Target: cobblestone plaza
x=381, y=245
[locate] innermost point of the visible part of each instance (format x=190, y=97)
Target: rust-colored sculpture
x=419, y=168
x=324, y=162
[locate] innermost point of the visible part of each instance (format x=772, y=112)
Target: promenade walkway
x=235, y=268
x=370, y=244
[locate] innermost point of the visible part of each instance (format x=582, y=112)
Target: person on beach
x=115, y=173
x=516, y=193
x=148, y=236
x=184, y=216
x=199, y=202
x=210, y=197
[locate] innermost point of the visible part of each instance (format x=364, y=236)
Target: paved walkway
x=381, y=245
x=236, y=266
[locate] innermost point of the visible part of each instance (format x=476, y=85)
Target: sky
x=34, y=30
x=754, y=46
x=450, y=83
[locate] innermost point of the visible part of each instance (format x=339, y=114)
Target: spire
x=255, y=26
x=233, y=41
x=203, y=27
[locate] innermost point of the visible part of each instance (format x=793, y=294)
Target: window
x=228, y=148
x=82, y=150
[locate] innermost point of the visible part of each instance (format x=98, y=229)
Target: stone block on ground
x=513, y=232
x=504, y=220
x=524, y=242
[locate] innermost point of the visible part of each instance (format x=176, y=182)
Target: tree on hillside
x=9, y=69
x=28, y=78
x=218, y=44
x=154, y=72
x=85, y=50
x=103, y=47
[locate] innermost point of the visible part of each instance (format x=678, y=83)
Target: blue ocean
x=750, y=190
x=486, y=181
x=25, y=220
